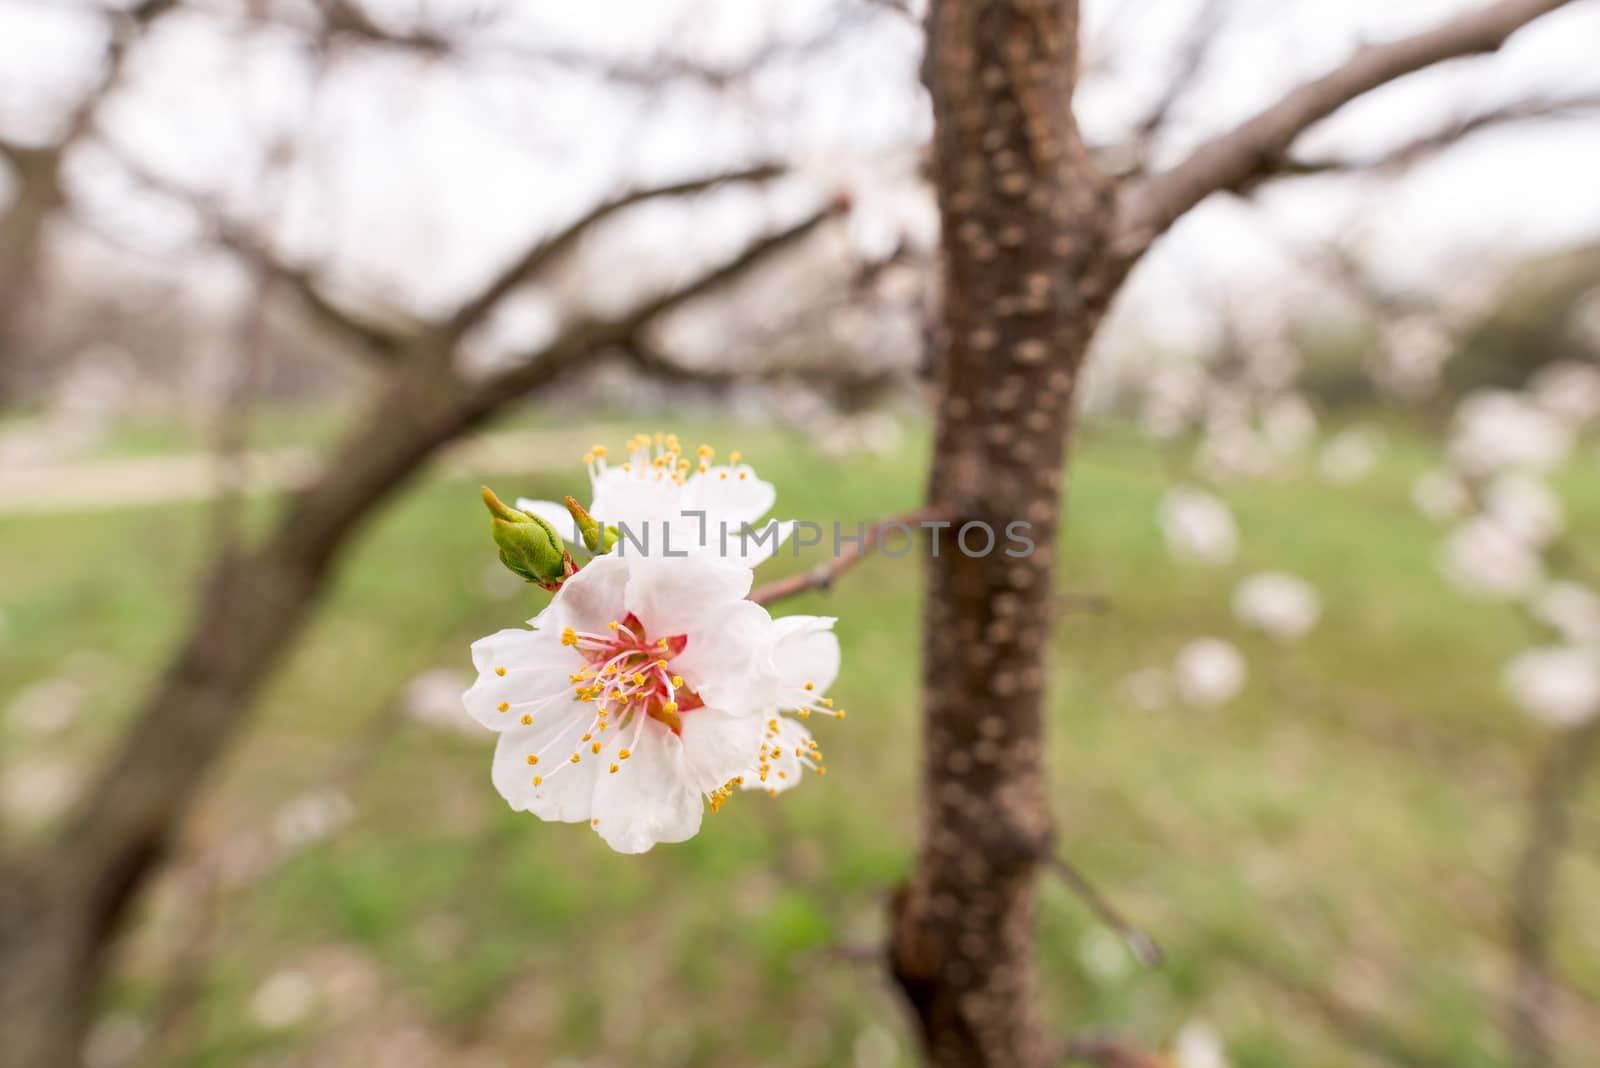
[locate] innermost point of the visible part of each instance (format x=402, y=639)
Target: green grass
x=1345, y=829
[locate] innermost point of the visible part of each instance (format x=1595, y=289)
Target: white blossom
x=1572, y=609
x=643, y=689
x=311, y=817
x=1350, y=455
x=1210, y=672
x=1147, y=689
x=1557, y=685
x=284, y=999
x=806, y=654
x=666, y=504
x=1482, y=557
x=1525, y=507
x=1280, y=604
x=1496, y=430
x=1289, y=423
x=1198, y=527
x=1441, y=495
x=1198, y=1046
x=1569, y=389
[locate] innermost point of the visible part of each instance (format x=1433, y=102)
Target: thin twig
x=824, y=574
x=1141, y=945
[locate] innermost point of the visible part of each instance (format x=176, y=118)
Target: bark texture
x=1025, y=219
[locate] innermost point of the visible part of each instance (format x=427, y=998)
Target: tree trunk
x=1027, y=280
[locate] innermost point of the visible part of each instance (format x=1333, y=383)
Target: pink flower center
x=629, y=672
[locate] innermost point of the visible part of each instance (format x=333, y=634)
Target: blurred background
x=1327, y=671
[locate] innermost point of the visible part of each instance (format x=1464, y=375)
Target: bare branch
x=824, y=574
x=548, y=250
x=1447, y=136
x=1231, y=160
x=1192, y=56
x=1141, y=945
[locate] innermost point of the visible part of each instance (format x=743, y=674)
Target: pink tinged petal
x=728, y=659
x=556, y=515
x=649, y=798
x=805, y=651
x=670, y=596
x=718, y=746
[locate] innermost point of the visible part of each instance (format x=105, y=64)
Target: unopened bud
x=528, y=545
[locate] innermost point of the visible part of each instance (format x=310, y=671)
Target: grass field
x=1326, y=860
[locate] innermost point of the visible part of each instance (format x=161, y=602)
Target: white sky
x=418, y=179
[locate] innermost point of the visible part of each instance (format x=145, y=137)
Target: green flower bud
x=528, y=545
x=589, y=528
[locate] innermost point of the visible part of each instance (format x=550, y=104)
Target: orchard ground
x=1325, y=860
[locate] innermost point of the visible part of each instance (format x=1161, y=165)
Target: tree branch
x=1231, y=160
x=824, y=574
x=1447, y=136
x=1141, y=945
x=541, y=254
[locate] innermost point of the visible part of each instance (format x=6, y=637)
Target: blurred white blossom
x=1526, y=507
x=1557, y=685
x=1441, y=495
x=1569, y=389
x=1148, y=689
x=311, y=817
x=1484, y=558
x=1350, y=455
x=47, y=707
x=283, y=1000
x=1198, y=1046
x=1413, y=352
x=35, y=792
x=1209, y=672
x=1288, y=423
x=1280, y=604
x=433, y=699
x=1572, y=609
x=1495, y=430
x=1198, y=527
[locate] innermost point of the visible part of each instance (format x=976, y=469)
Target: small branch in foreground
x=1141, y=945
x=1109, y=1053
x=823, y=575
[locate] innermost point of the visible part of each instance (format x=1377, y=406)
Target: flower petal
x=649, y=798
x=591, y=598
x=731, y=495
x=728, y=660
x=805, y=650
x=671, y=596
x=565, y=789
x=637, y=500
x=718, y=746
x=784, y=765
